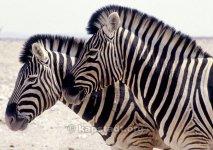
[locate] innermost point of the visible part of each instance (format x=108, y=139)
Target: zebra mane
x=128, y=17
x=72, y=45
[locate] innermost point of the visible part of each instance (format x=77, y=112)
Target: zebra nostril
x=12, y=119
x=11, y=110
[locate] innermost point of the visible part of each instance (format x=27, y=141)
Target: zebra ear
x=39, y=52
x=113, y=24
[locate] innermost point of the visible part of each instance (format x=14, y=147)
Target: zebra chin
x=16, y=123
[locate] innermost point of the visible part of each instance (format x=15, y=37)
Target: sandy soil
x=56, y=129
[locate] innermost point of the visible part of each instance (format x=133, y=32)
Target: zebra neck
x=148, y=58
x=63, y=65
x=134, y=52
x=60, y=64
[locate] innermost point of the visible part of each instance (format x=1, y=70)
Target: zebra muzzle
x=76, y=98
x=14, y=121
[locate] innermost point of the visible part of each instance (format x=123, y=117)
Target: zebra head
x=37, y=88
x=99, y=65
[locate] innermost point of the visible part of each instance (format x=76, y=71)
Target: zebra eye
x=93, y=52
x=32, y=78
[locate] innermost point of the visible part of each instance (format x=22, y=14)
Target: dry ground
x=54, y=128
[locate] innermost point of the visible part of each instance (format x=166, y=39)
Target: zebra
x=113, y=111
x=168, y=73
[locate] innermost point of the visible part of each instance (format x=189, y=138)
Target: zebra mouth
x=16, y=123
x=76, y=97
x=82, y=94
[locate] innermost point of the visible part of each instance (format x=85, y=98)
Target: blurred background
x=20, y=19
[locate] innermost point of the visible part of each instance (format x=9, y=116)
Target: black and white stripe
x=113, y=111
x=165, y=70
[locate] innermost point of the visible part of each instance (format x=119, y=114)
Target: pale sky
x=70, y=17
